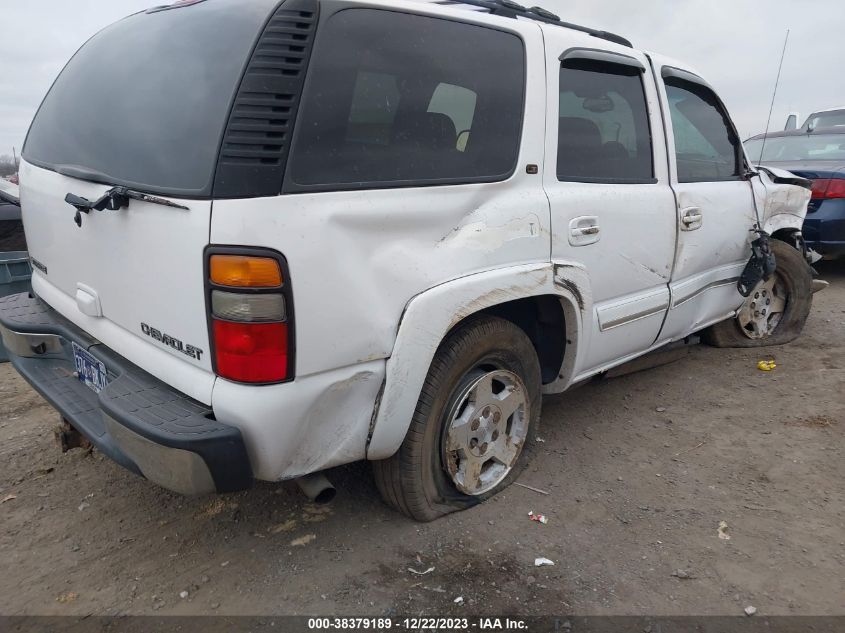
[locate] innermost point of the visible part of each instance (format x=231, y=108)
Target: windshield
x=144, y=102
x=798, y=148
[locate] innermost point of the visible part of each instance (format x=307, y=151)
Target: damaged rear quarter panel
x=431, y=315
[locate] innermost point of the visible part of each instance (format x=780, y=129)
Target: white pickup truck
x=269, y=238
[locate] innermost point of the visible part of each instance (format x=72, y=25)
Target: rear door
x=607, y=181
x=715, y=210
x=143, y=105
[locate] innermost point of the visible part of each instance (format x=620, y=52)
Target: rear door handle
x=691, y=219
x=584, y=230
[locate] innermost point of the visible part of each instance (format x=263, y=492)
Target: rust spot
x=67, y=437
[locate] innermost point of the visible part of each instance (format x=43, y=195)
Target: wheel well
x=542, y=320
x=791, y=236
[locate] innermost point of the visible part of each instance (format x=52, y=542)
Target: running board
x=665, y=355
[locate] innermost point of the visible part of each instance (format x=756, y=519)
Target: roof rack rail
x=511, y=9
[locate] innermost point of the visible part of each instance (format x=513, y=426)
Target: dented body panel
x=362, y=260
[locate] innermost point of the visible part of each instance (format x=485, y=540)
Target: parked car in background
x=15, y=270
x=11, y=228
x=818, y=155
x=832, y=117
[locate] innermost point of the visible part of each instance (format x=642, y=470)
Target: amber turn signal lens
x=240, y=271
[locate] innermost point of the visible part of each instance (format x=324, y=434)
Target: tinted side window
x=396, y=100
x=603, y=129
x=706, y=147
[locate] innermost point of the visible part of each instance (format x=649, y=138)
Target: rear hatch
x=142, y=105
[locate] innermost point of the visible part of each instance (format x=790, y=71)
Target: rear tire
x=794, y=277
x=430, y=474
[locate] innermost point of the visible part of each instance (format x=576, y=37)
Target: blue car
x=818, y=155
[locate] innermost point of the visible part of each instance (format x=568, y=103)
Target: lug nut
x=495, y=435
x=475, y=424
x=486, y=412
x=484, y=448
x=497, y=416
x=473, y=443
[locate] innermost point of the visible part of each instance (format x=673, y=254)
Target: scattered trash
x=540, y=440
x=766, y=365
x=224, y=563
x=749, y=610
x=458, y=600
x=683, y=574
x=723, y=531
x=543, y=562
x=531, y=488
x=70, y=596
x=9, y=498
x=661, y=409
x=435, y=589
x=215, y=605
x=183, y=594
x=699, y=445
x=421, y=573
x=303, y=540
x=287, y=526
x=83, y=505
x=539, y=518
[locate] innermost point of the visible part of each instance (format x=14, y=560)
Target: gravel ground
x=640, y=472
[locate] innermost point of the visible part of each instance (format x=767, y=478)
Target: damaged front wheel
x=775, y=311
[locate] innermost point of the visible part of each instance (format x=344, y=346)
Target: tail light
x=828, y=188
x=250, y=314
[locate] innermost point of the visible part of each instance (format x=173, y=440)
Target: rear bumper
x=138, y=421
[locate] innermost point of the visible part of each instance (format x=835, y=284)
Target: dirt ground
x=640, y=472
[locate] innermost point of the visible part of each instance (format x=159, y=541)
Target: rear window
x=396, y=100
x=827, y=119
x=145, y=101
x=797, y=148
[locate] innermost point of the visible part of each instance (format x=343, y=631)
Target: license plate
x=89, y=370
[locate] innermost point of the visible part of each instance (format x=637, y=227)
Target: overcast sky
x=735, y=44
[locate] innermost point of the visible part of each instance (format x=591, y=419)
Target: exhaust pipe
x=316, y=487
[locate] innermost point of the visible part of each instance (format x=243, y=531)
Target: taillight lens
x=828, y=188
x=240, y=307
x=241, y=271
x=251, y=352
x=249, y=300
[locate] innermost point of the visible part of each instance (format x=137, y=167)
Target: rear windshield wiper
x=112, y=200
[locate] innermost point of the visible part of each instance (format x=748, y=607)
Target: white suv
x=273, y=237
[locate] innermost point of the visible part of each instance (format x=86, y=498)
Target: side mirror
x=791, y=122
